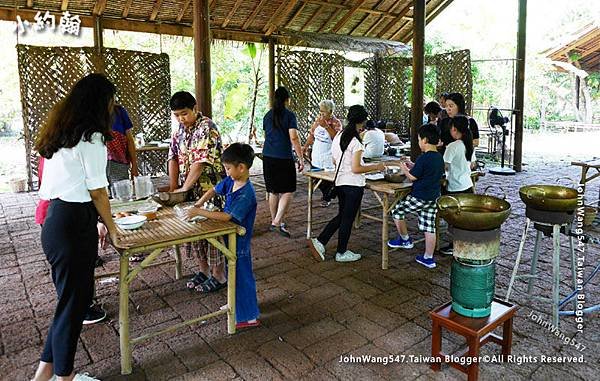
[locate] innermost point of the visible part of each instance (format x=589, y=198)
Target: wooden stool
x=477, y=331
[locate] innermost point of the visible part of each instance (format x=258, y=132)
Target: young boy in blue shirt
x=240, y=207
x=426, y=175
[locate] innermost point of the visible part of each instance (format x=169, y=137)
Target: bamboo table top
x=168, y=229
x=595, y=163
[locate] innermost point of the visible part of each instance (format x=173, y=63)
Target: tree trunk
x=587, y=101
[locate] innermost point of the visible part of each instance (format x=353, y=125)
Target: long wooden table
x=155, y=236
x=585, y=168
x=387, y=195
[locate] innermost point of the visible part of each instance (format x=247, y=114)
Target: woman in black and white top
x=73, y=144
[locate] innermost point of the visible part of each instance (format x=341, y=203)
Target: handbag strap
x=338, y=167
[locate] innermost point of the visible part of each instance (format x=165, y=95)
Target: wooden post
x=520, y=87
x=201, y=28
x=577, y=90
x=416, y=109
x=98, y=38
x=271, y=70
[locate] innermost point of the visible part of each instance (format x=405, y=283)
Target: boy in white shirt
x=373, y=141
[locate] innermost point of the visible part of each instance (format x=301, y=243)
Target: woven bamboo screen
x=313, y=76
x=48, y=73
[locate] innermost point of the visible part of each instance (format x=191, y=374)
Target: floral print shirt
x=200, y=144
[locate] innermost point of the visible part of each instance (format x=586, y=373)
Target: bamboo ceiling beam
x=99, y=7
x=184, y=8
x=64, y=5
x=282, y=16
x=274, y=17
x=155, y=10
x=395, y=21
x=340, y=24
x=430, y=16
x=126, y=8
x=380, y=19
x=295, y=16
x=253, y=14
x=364, y=19
x=335, y=14
x=360, y=9
x=231, y=13
x=311, y=18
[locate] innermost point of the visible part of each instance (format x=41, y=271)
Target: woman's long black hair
x=459, y=100
x=281, y=95
x=356, y=114
x=461, y=123
x=83, y=112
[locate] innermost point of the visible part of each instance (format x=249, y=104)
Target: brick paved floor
x=312, y=312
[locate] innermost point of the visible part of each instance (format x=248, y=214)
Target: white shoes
x=348, y=256
x=84, y=377
x=317, y=249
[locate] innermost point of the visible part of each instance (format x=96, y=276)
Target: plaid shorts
x=203, y=250
x=427, y=211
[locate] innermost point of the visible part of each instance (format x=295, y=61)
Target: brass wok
x=552, y=198
x=473, y=211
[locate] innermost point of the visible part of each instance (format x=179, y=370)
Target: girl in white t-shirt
x=347, y=150
x=458, y=157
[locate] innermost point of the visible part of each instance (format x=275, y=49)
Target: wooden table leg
x=473, y=369
x=384, y=233
x=436, y=344
x=555, y=273
x=231, y=266
x=310, y=197
x=178, y=272
x=507, y=337
x=124, y=315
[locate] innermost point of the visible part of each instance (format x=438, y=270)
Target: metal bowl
x=551, y=198
x=473, y=211
x=170, y=198
x=394, y=174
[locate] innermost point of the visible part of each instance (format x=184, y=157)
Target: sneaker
x=427, y=262
x=84, y=377
x=93, y=315
x=317, y=249
x=448, y=250
x=348, y=256
x=283, y=230
x=325, y=204
x=400, y=243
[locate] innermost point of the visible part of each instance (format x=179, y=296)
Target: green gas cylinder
x=472, y=285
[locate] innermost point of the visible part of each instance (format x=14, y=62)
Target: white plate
x=131, y=222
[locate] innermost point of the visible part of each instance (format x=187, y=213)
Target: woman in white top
x=350, y=182
x=373, y=140
x=73, y=144
x=320, y=137
x=458, y=157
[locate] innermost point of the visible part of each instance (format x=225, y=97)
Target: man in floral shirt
x=195, y=166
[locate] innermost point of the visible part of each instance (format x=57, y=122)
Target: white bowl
x=131, y=222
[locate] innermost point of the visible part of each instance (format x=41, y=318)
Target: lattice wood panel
x=48, y=73
x=312, y=76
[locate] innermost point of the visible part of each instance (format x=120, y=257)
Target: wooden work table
x=387, y=195
x=154, y=237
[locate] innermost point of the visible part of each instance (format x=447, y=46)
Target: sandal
x=196, y=280
x=245, y=324
x=210, y=285
x=284, y=231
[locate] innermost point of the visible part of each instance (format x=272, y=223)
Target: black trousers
x=70, y=242
x=350, y=198
x=324, y=187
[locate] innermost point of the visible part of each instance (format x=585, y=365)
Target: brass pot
x=551, y=198
x=473, y=211
x=394, y=174
x=170, y=198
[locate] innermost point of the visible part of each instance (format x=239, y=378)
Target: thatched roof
x=584, y=44
x=245, y=20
